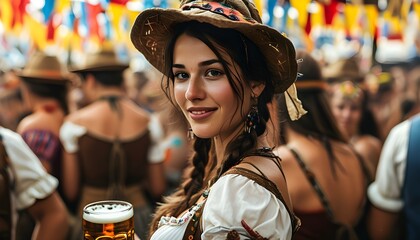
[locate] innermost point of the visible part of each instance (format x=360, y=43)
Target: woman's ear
x=257, y=88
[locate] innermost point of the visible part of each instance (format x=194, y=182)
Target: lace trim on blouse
x=173, y=221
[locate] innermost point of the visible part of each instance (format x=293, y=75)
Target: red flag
x=18, y=11
x=329, y=11
x=50, y=28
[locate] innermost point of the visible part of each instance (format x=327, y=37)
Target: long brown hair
x=203, y=170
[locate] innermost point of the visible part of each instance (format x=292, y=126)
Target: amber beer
x=109, y=219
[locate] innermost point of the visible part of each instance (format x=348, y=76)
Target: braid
x=243, y=144
x=199, y=160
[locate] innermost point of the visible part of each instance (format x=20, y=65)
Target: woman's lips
x=201, y=113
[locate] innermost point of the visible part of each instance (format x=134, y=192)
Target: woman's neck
x=221, y=144
x=45, y=105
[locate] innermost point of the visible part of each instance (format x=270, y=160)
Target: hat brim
x=153, y=28
x=100, y=68
x=44, y=77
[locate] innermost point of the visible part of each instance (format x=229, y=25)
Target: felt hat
x=44, y=68
x=153, y=29
x=102, y=60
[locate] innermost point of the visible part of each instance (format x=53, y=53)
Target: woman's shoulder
x=39, y=121
x=369, y=142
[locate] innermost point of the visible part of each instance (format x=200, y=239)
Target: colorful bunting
x=67, y=23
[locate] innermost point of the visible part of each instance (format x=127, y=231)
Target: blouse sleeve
x=31, y=181
x=234, y=198
x=69, y=135
x=385, y=191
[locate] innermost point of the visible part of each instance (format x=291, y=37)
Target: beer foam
x=107, y=212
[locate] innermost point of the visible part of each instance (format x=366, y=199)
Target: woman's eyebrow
x=201, y=64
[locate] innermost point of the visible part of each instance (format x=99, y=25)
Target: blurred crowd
x=105, y=130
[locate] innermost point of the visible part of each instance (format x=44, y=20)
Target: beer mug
x=106, y=220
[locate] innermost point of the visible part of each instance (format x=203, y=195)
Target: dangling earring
x=190, y=134
x=252, y=119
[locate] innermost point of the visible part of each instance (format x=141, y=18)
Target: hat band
x=35, y=73
x=350, y=90
x=218, y=8
x=311, y=84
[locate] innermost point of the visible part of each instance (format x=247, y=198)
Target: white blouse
x=386, y=191
x=31, y=181
x=71, y=132
x=231, y=199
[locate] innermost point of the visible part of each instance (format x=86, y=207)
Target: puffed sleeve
x=69, y=134
x=31, y=181
x=234, y=198
x=385, y=191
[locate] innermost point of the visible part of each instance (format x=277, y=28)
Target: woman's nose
x=195, y=89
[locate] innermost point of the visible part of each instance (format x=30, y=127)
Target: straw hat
x=103, y=60
x=44, y=68
x=153, y=29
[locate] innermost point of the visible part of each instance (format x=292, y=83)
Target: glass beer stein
x=106, y=220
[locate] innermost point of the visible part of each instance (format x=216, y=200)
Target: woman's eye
x=214, y=73
x=181, y=76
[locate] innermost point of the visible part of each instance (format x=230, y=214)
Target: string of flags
x=76, y=25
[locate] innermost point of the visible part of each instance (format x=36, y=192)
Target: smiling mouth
x=200, y=114
x=197, y=112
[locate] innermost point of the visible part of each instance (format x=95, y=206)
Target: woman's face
x=347, y=112
x=203, y=92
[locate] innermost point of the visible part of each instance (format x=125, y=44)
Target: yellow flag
x=37, y=31
x=116, y=11
x=302, y=8
x=351, y=13
x=372, y=18
x=6, y=15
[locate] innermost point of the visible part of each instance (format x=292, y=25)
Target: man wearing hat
x=108, y=144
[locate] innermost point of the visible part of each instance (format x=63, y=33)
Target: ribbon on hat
x=218, y=8
x=294, y=105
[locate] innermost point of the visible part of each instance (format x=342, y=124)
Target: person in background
x=44, y=89
x=135, y=82
x=169, y=127
x=110, y=151
x=350, y=107
x=395, y=193
x=222, y=68
x=326, y=179
x=44, y=86
x=12, y=107
x=32, y=189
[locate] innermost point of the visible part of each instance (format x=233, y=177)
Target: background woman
x=44, y=89
x=108, y=144
x=327, y=181
x=350, y=107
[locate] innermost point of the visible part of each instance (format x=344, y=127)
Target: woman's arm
x=51, y=216
x=71, y=176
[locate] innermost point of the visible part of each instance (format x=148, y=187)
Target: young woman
x=44, y=89
x=223, y=67
x=326, y=179
x=356, y=122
